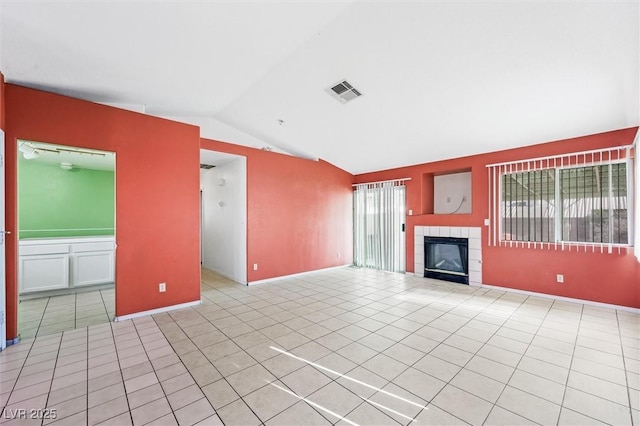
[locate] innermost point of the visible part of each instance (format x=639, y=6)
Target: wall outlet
x=162, y=287
x=338, y=255
x=560, y=278
x=410, y=212
x=255, y=266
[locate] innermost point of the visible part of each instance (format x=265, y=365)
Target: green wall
x=53, y=202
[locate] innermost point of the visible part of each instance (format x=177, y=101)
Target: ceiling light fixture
x=28, y=151
x=66, y=166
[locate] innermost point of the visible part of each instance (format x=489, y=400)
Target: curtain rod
x=381, y=181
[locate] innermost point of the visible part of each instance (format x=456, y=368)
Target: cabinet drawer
x=44, y=272
x=44, y=249
x=85, y=247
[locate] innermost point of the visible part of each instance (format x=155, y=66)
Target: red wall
x=299, y=212
x=157, y=198
x=608, y=278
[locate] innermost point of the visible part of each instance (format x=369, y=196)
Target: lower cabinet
x=53, y=264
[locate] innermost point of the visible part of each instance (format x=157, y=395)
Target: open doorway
x=223, y=185
x=66, y=237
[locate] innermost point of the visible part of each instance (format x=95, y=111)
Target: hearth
x=447, y=258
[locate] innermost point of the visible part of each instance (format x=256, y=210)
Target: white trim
x=157, y=311
x=564, y=299
x=282, y=277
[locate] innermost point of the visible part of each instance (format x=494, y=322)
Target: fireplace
x=447, y=258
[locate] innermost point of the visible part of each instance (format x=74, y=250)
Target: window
x=593, y=200
x=580, y=198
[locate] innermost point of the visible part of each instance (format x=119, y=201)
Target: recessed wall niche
x=452, y=193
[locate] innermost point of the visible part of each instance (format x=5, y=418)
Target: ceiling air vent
x=344, y=92
x=206, y=166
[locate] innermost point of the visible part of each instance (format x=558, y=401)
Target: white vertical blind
x=563, y=170
x=379, y=216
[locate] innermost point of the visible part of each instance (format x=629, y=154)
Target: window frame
x=559, y=208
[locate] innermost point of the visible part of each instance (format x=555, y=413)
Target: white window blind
x=581, y=200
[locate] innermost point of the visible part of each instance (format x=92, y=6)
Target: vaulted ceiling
x=439, y=79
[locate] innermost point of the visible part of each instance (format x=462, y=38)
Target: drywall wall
x=299, y=213
x=601, y=277
x=53, y=202
x=224, y=219
x=157, y=193
x=452, y=193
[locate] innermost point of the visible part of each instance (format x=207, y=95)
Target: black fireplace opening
x=447, y=258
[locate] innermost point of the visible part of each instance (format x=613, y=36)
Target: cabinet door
x=93, y=268
x=43, y=272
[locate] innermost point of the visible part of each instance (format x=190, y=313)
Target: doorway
x=379, y=226
x=223, y=232
x=66, y=237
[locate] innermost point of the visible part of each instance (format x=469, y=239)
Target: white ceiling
x=439, y=79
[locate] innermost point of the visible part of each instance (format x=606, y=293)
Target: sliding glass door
x=379, y=221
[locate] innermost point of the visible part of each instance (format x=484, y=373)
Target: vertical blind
x=379, y=216
x=582, y=199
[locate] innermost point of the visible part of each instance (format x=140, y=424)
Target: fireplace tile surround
x=475, y=248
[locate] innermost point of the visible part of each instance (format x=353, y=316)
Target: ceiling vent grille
x=344, y=92
x=206, y=166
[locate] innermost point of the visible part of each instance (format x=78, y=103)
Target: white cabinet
x=51, y=264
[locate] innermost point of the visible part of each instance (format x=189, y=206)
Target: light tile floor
x=348, y=346
x=47, y=315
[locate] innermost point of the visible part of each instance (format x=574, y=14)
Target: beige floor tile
x=166, y=420
x=270, y=400
x=107, y=410
x=105, y=394
x=220, y=393
x=529, y=406
x=385, y=366
x=463, y=405
x=597, y=408
x=194, y=412
x=233, y=363
x=501, y=417
x=144, y=396
x=544, y=369
x=150, y=411
x=362, y=382
x=185, y=397
x=433, y=415
x=176, y=383
x=68, y=408
x=602, y=388
x=437, y=367
x=397, y=403
x=335, y=398
x=293, y=415
x=140, y=382
x=571, y=418
x=250, y=379
x=538, y=386
x=238, y=414
x=478, y=385
x=305, y=381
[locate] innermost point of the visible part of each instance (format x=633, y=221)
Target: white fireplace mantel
x=475, y=248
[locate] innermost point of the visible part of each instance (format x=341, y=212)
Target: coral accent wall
x=157, y=192
x=299, y=212
x=608, y=278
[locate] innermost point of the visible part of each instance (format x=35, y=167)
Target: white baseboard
x=157, y=311
x=299, y=274
x=564, y=299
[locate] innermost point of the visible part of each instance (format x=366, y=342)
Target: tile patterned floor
x=47, y=315
x=343, y=347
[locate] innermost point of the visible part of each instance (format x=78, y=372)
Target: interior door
x=3, y=232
